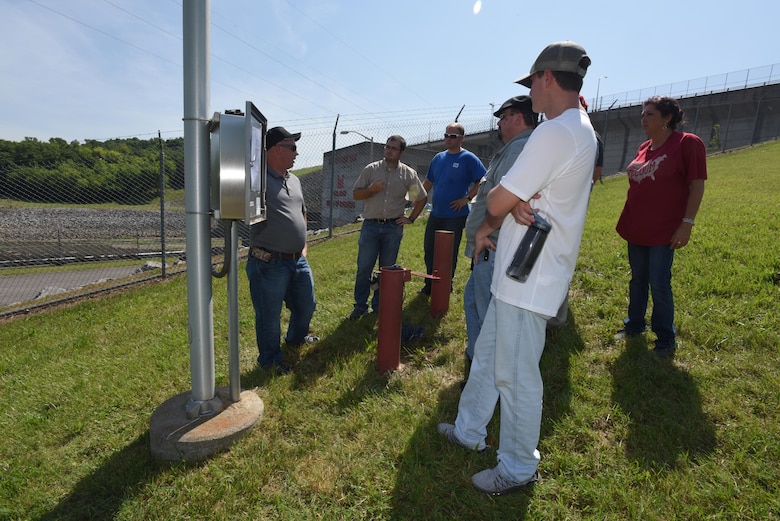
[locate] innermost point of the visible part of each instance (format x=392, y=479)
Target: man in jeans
x=516, y=121
x=383, y=186
x=277, y=268
x=450, y=175
x=556, y=163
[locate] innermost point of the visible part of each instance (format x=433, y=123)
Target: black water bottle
x=528, y=249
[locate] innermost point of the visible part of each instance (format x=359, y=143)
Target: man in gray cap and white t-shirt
x=556, y=163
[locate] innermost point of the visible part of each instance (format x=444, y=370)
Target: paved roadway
x=23, y=288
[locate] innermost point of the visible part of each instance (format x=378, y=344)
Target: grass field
x=624, y=434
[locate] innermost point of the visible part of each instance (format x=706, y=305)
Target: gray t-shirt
x=284, y=230
x=499, y=166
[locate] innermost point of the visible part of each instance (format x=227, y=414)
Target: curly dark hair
x=667, y=106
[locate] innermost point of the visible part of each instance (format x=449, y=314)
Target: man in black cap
x=277, y=268
x=516, y=121
x=557, y=164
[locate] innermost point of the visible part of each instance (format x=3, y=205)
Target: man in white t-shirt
x=556, y=163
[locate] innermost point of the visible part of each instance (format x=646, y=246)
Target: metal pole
x=332, y=177
x=443, y=242
x=391, y=302
x=598, y=88
x=162, y=204
x=234, y=357
x=200, y=313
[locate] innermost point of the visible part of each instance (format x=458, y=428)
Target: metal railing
x=741, y=79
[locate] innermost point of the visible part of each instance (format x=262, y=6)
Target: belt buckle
x=261, y=254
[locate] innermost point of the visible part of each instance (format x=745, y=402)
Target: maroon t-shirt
x=658, y=188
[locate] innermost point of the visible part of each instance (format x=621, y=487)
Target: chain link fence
x=88, y=218
x=91, y=218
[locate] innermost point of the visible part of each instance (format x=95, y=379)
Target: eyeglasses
x=390, y=147
x=507, y=114
x=294, y=148
x=452, y=136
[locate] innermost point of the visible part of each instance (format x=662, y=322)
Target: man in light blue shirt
x=516, y=121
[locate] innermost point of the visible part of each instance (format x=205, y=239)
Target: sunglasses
x=294, y=148
x=452, y=136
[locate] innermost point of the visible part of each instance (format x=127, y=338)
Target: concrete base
x=174, y=437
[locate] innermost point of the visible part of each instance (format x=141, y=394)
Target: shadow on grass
x=663, y=405
x=439, y=486
x=561, y=344
x=449, y=493
x=349, y=337
x=99, y=496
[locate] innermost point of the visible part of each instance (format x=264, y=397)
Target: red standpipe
x=442, y=268
x=391, y=300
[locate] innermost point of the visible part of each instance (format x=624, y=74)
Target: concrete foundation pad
x=174, y=437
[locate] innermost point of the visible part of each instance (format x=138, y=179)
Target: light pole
x=369, y=139
x=598, y=87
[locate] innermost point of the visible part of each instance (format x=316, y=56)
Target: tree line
x=124, y=171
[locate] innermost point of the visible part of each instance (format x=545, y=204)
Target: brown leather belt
x=266, y=255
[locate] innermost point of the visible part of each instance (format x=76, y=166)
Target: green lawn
x=624, y=434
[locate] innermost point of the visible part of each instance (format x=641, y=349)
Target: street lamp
x=370, y=139
x=598, y=87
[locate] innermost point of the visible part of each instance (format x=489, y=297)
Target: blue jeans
x=476, y=297
x=651, y=267
x=452, y=224
x=506, y=365
x=377, y=241
x=271, y=284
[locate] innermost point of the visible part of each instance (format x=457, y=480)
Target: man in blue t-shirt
x=450, y=175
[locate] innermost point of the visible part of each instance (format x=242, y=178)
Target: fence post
x=332, y=178
x=162, y=203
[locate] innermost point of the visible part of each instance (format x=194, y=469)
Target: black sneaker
x=279, y=368
x=357, y=313
x=623, y=334
x=664, y=352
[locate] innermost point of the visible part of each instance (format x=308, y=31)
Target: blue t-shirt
x=451, y=175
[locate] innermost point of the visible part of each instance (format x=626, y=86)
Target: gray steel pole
x=162, y=204
x=200, y=313
x=332, y=177
x=234, y=351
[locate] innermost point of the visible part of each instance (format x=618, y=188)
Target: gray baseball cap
x=563, y=56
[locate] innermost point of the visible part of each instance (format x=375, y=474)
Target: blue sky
x=101, y=69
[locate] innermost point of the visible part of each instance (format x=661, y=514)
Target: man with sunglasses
x=277, y=268
x=383, y=186
x=450, y=175
x=516, y=121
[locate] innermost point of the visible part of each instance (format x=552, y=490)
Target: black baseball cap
x=519, y=103
x=277, y=134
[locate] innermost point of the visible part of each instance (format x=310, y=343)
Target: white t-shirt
x=557, y=162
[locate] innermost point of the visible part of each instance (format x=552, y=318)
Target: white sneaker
x=492, y=482
x=448, y=430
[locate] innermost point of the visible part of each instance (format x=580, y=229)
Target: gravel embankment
x=45, y=224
